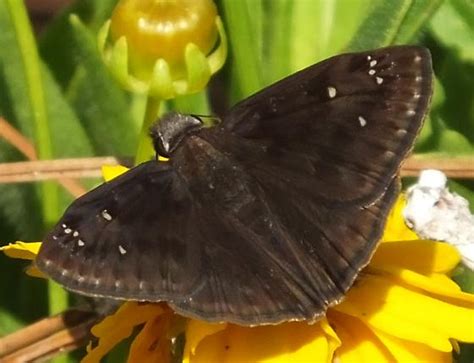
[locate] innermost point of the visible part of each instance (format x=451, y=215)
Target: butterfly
x=268, y=216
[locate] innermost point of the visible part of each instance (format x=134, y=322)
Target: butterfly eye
x=170, y=130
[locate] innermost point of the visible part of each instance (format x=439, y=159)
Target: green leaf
x=70, y=49
x=101, y=105
x=392, y=22
x=243, y=23
x=36, y=107
x=449, y=129
x=23, y=299
x=464, y=277
x=453, y=26
x=322, y=28
x=69, y=138
x=417, y=17
x=32, y=101
x=8, y=322
x=57, y=41
x=276, y=28
x=457, y=78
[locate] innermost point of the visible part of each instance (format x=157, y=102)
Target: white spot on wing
x=332, y=92
x=373, y=63
x=379, y=80
x=55, y=238
x=75, y=234
x=273, y=101
x=68, y=230
x=362, y=121
x=369, y=57
x=63, y=225
x=80, y=243
x=389, y=154
x=106, y=215
x=372, y=72
x=122, y=250
x=401, y=132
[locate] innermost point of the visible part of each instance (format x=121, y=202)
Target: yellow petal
x=110, y=172
x=396, y=229
x=359, y=343
x=333, y=339
x=114, y=328
x=152, y=343
x=298, y=342
x=196, y=331
x=33, y=271
x=23, y=250
x=408, y=314
x=420, y=256
x=438, y=285
x=406, y=351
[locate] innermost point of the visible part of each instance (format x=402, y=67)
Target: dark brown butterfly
x=266, y=217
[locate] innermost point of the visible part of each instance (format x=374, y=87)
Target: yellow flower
x=403, y=308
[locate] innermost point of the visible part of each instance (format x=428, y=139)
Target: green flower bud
x=164, y=48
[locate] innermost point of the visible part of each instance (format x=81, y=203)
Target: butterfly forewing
x=268, y=217
x=348, y=121
x=128, y=238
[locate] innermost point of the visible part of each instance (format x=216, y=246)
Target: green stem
x=58, y=300
x=246, y=42
x=145, y=147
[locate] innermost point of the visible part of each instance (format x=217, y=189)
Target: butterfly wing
x=266, y=218
x=340, y=128
x=271, y=254
x=128, y=238
x=323, y=147
x=223, y=254
x=270, y=269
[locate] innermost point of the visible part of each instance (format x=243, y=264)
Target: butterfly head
x=170, y=130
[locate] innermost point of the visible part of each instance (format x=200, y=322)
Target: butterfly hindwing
x=271, y=254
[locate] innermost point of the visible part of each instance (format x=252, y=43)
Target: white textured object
x=435, y=213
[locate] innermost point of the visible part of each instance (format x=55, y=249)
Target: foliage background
x=86, y=113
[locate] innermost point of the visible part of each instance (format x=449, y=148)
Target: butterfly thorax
x=170, y=130
x=212, y=174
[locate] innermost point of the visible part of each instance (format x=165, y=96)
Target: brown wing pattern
x=266, y=218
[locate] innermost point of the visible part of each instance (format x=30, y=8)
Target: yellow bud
x=163, y=48
x=161, y=29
